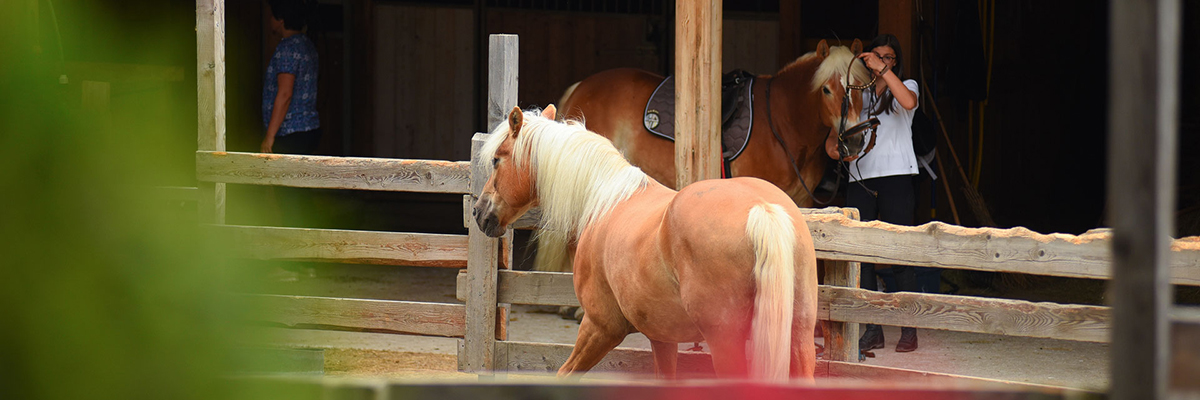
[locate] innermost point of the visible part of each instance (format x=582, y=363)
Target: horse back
x=708, y=218
x=611, y=103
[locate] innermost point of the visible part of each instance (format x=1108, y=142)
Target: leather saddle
x=737, y=112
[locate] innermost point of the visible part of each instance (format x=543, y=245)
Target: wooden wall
x=751, y=43
x=425, y=67
x=558, y=49
x=425, y=89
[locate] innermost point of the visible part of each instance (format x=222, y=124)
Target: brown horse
x=805, y=105
x=723, y=261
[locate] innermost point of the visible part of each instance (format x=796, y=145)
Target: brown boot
x=908, y=340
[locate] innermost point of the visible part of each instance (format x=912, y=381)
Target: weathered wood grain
x=210, y=100
x=529, y=287
x=357, y=247
x=697, y=91
x=334, y=172
x=967, y=314
x=841, y=340
x=937, y=244
x=434, y=319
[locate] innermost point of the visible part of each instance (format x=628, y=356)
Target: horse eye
x=495, y=162
x=826, y=90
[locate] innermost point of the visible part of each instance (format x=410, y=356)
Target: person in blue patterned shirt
x=289, y=102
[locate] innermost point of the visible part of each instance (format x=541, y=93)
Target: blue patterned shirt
x=295, y=55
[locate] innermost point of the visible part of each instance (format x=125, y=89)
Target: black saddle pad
x=737, y=112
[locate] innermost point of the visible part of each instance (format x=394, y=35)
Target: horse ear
x=515, y=119
x=823, y=49
x=856, y=47
x=549, y=112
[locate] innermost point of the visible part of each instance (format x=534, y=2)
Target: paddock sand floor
x=1039, y=361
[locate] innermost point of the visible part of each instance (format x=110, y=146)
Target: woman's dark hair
x=293, y=13
x=886, y=104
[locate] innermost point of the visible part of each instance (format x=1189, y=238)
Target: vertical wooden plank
x=479, y=343
x=791, y=38
x=898, y=17
x=407, y=73
x=1143, y=121
x=422, y=142
x=502, y=78
x=210, y=100
x=464, y=85
x=385, y=81
x=444, y=112
x=697, y=91
x=841, y=340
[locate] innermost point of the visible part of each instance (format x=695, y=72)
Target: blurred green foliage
x=108, y=290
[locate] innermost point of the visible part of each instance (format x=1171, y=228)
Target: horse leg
x=804, y=352
x=665, y=356
x=729, y=354
x=593, y=343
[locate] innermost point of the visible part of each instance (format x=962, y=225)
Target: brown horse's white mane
x=834, y=65
x=579, y=175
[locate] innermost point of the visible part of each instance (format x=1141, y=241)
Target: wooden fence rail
x=344, y=246
x=919, y=310
x=838, y=237
x=380, y=174
x=411, y=317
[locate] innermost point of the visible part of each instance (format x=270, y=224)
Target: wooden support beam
x=1143, y=115
x=210, y=85
x=899, y=17
x=380, y=174
x=343, y=246
x=479, y=345
x=697, y=91
x=841, y=337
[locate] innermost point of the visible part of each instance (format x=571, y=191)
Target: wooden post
x=697, y=91
x=898, y=17
x=210, y=94
x=479, y=342
x=791, y=37
x=1142, y=122
x=841, y=339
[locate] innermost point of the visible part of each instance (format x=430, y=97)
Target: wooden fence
x=487, y=285
x=844, y=242
x=215, y=167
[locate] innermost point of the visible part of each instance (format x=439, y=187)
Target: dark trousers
x=893, y=203
x=295, y=204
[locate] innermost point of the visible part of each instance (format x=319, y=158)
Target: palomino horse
x=794, y=112
x=721, y=261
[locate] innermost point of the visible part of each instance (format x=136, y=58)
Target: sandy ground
x=1040, y=361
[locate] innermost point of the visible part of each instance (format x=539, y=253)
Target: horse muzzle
x=486, y=218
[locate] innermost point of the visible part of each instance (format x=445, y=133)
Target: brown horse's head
x=837, y=82
x=510, y=191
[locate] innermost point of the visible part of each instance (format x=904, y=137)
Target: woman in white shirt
x=882, y=181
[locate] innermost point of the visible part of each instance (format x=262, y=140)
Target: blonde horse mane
x=835, y=64
x=580, y=176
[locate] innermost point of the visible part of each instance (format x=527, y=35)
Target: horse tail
x=562, y=101
x=773, y=236
x=551, y=252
